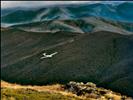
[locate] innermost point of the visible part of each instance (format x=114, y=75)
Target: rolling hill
x=101, y=57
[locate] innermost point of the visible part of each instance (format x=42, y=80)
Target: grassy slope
x=50, y=92
x=96, y=57
x=53, y=92
x=20, y=94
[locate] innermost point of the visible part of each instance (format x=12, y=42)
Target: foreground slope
x=101, y=57
x=71, y=91
x=20, y=92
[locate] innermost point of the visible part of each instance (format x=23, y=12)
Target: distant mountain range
x=120, y=12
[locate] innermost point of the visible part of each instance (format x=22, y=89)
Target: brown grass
x=56, y=88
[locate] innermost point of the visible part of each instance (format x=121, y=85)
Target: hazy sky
x=6, y=4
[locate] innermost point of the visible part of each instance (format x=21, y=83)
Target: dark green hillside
x=19, y=16
x=102, y=57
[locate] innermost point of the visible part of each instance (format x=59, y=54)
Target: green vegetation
x=19, y=16
x=29, y=94
x=103, y=57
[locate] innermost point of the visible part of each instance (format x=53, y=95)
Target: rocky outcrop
x=89, y=90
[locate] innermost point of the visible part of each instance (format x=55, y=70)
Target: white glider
x=48, y=56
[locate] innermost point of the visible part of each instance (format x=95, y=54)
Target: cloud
x=8, y=4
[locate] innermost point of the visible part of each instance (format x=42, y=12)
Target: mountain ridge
x=109, y=11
